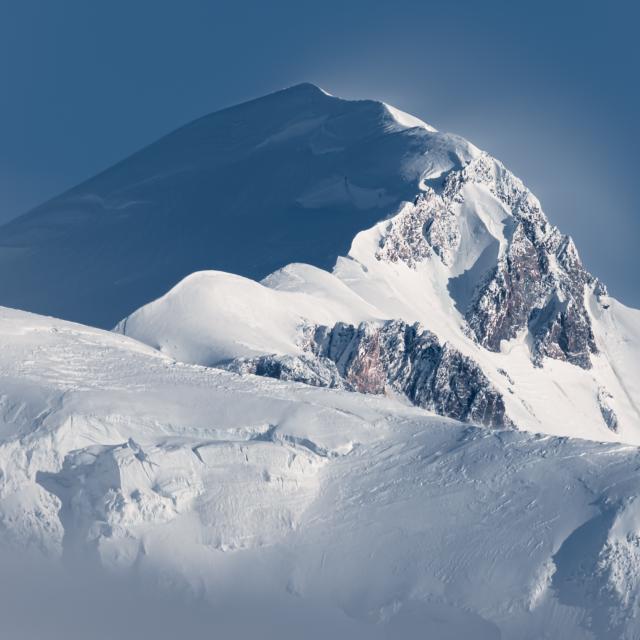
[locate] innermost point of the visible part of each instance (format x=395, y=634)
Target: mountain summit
x=290, y=177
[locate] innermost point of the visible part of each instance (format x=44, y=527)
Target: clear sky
x=550, y=88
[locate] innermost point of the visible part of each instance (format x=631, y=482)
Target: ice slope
x=619, y=339
x=290, y=177
x=371, y=518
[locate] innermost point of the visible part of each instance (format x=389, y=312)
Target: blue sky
x=549, y=88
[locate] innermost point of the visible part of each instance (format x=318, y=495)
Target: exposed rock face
x=309, y=369
x=537, y=282
x=608, y=414
x=393, y=356
x=427, y=226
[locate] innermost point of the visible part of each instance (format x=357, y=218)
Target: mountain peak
x=295, y=92
x=306, y=87
x=289, y=177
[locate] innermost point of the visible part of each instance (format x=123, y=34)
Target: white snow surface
x=406, y=120
x=212, y=317
x=388, y=520
x=342, y=514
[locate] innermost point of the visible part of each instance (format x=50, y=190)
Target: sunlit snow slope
x=212, y=318
x=388, y=520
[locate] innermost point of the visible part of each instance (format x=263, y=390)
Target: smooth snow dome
x=290, y=177
x=211, y=317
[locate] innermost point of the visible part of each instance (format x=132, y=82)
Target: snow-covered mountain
x=291, y=177
x=466, y=301
x=376, y=394
x=339, y=512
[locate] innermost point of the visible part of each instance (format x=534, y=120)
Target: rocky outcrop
x=608, y=414
x=390, y=357
x=428, y=226
x=309, y=369
x=537, y=282
x=540, y=288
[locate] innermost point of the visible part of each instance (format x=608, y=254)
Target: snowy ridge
x=211, y=317
x=474, y=260
x=510, y=270
x=406, y=120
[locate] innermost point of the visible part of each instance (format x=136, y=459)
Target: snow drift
x=373, y=518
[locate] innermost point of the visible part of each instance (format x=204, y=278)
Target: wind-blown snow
x=406, y=120
x=387, y=518
x=211, y=317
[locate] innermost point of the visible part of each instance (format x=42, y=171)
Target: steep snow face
x=406, y=120
x=113, y=453
x=290, y=177
x=556, y=363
